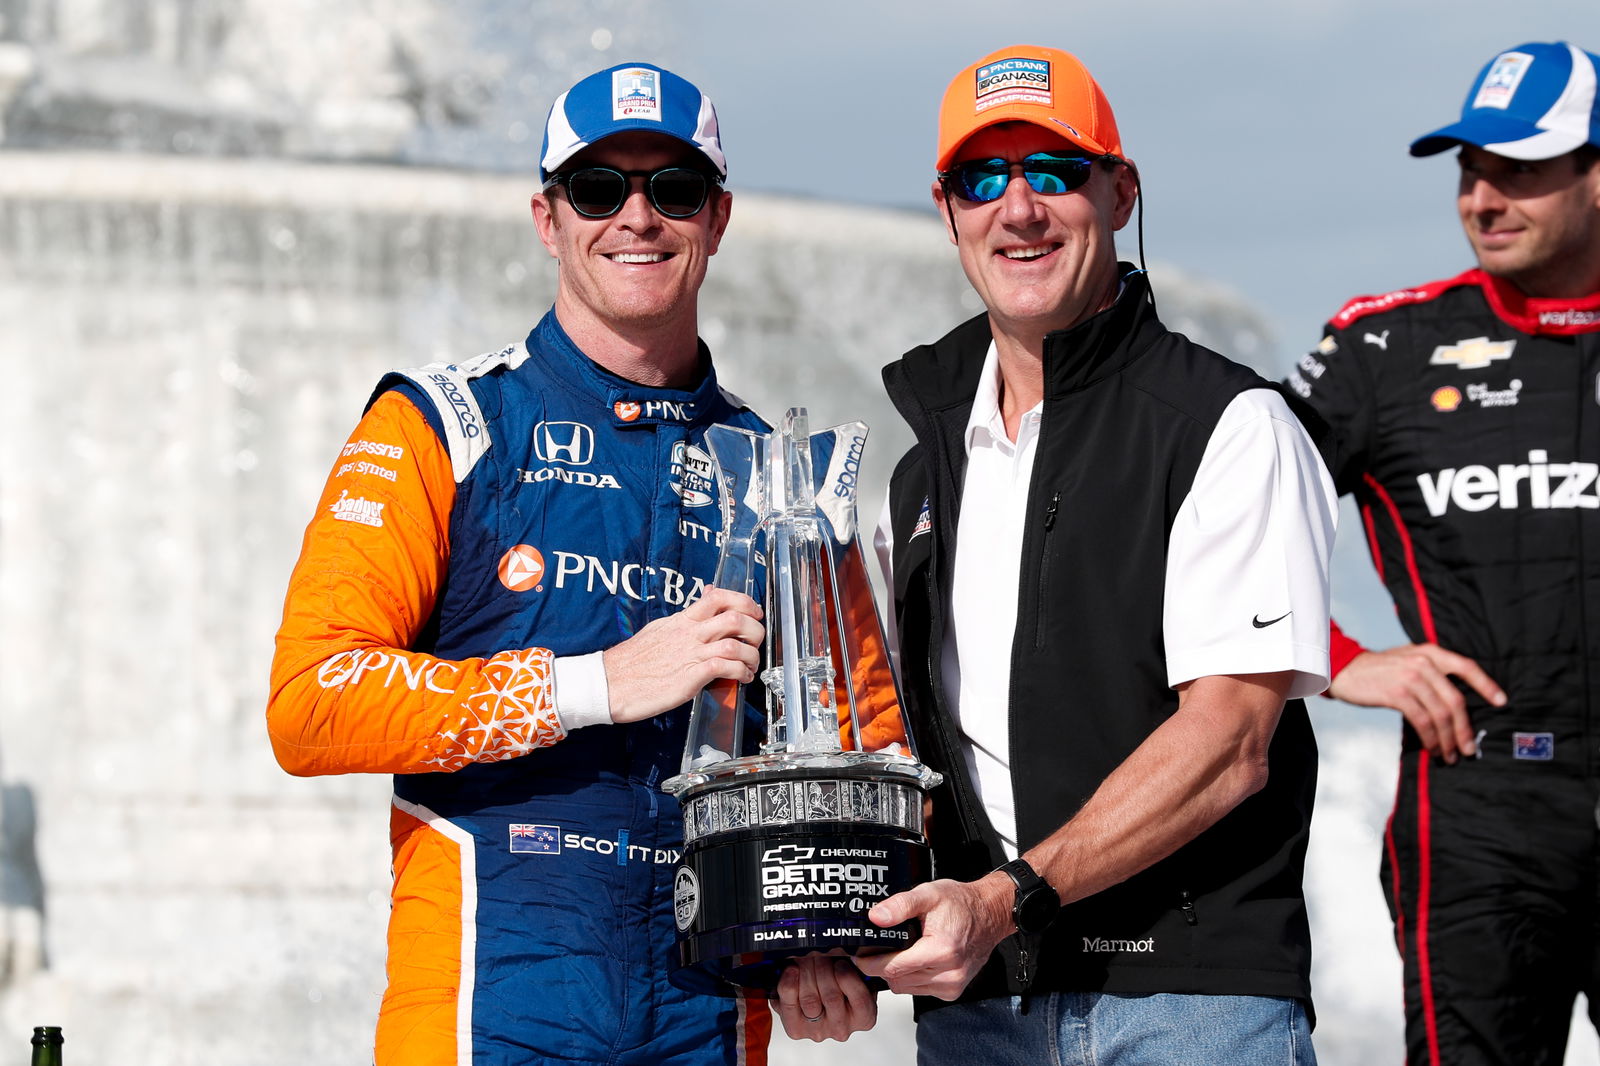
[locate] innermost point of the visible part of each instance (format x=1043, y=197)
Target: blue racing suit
x=487, y=523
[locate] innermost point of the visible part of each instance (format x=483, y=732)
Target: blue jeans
x=1102, y=1029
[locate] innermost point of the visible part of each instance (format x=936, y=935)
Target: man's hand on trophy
x=672, y=658
x=962, y=921
x=824, y=997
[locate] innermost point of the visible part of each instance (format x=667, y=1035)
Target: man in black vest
x=1109, y=561
x=1465, y=423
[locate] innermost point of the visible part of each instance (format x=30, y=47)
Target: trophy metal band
x=801, y=813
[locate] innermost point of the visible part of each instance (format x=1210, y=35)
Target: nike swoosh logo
x=1259, y=624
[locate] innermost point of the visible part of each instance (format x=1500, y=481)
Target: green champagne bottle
x=47, y=1045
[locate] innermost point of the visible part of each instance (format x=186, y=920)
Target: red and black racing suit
x=1465, y=418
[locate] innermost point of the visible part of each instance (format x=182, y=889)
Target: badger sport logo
x=522, y=568
x=349, y=508
x=1447, y=398
x=636, y=93
x=626, y=410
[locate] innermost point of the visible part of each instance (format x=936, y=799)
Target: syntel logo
x=1543, y=484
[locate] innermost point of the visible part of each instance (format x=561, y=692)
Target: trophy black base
x=787, y=861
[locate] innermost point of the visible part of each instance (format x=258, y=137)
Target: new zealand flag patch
x=536, y=839
x=1540, y=747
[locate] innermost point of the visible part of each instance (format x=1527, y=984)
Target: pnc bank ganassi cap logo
x=1013, y=81
x=693, y=474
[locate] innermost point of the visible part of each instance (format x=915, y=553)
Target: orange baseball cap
x=1026, y=83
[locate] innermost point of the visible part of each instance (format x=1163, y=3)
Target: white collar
x=986, y=418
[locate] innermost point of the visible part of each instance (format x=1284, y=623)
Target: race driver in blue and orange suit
x=1465, y=419
x=526, y=500
x=502, y=600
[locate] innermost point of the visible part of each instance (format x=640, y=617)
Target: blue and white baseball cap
x=630, y=96
x=1536, y=101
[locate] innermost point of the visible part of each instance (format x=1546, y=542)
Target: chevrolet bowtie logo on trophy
x=803, y=811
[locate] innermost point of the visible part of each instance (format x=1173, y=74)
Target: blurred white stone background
x=220, y=220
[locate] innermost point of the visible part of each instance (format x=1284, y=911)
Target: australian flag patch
x=1540, y=747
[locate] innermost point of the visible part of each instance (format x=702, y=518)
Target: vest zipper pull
x=1050, y=512
x=1187, y=906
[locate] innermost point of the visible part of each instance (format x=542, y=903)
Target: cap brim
x=1513, y=138
x=554, y=162
x=1020, y=114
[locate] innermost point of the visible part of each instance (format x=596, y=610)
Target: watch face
x=1035, y=909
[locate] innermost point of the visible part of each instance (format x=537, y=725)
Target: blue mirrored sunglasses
x=983, y=181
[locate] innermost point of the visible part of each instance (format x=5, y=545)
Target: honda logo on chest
x=564, y=442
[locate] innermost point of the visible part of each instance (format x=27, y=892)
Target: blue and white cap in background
x=630, y=96
x=1536, y=101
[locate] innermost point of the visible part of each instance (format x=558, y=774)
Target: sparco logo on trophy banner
x=1538, y=484
x=845, y=486
x=790, y=870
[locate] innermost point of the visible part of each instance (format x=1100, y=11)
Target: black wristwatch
x=1033, y=910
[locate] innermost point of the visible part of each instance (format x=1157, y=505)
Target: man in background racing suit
x=1466, y=420
x=503, y=600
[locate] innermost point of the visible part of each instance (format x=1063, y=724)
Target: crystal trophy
x=802, y=796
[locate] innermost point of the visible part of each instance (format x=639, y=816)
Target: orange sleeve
x=347, y=693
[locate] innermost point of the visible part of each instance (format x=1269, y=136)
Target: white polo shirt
x=1257, y=527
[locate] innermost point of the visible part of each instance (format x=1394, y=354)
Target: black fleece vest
x=1128, y=410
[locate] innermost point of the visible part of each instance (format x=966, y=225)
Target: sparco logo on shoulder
x=451, y=390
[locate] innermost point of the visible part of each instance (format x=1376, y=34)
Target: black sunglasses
x=983, y=181
x=600, y=192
